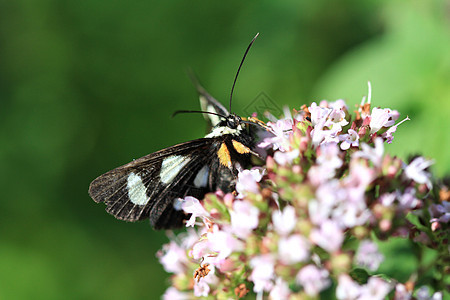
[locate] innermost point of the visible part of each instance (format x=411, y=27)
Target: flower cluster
x=307, y=223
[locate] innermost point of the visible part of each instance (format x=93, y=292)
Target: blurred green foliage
x=86, y=86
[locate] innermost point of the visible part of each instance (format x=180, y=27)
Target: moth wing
x=208, y=103
x=147, y=187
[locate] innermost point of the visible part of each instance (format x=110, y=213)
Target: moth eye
x=233, y=122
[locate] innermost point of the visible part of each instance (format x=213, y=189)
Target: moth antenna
x=240, y=65
x=197, y=111
x=253, y=123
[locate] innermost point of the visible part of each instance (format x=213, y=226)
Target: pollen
x=240, y=148
x=241, y=290
x=224, y=155
x=201, y=272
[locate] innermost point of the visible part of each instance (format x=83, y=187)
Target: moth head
x=233, y=121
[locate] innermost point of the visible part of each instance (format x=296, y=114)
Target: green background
x=86, y=86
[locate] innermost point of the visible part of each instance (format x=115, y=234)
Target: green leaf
x=359, y=275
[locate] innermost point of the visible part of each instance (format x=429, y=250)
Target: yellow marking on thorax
x=240, y=148
x=224, y=155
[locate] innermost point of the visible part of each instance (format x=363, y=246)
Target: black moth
x=148, y=187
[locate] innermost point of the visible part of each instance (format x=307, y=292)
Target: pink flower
x=408, y=199
x=248, y=181
x=349, y=214
x=223, y=243
x=323, y=136
x=375, y=289
x=389, y=134
x=387, y=199
x=201, y=288
x=375, y=155
x=263, y=272
x=280, y=290
x=174, y=294
x=424, y=294
x=440, y=212
x=244, y=218
x=293, y=249
x=284, y=158
x=416, y=171
x=347, y=289
x=350, y=207
x=281, y=131
x=191, y=205
x=173, y=258
x=328, y=154
x=200, y=249
x=320, y=174
x=329, y=236
x=284, y=222
x=328, y=194
x=368, y=255
x=313, y=279
x=190, y=237
x=358, y=180
x=351, y=139
x=319, y=114
x=401, y=293
x=338, y=104
x=336, y=120
x=382, y=118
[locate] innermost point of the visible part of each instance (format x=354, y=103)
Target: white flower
x=328, y=236
x=382, y=118
x=347, y=289
x=328, y=155
x=313, y=279
x=284, y=222
x=319, y=114
x=375, y=289
x=174, y=294
x=280, y=291
x=424, y=294
x=368, y=255
x=223, y=243
x=191, y=205
x=281, y=130
x=416, y=171
x=336, y=120
x=375, y=155
x=284, y=158
x=389, y=134
x=263, y=272
x=201, y=288
x=351, y=139
x=174, y=258
x=401, y=293
x=244, y=218
x=248, y=181
x=293, y=249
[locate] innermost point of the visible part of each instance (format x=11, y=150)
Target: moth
x=148, y=187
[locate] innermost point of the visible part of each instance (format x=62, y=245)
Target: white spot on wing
x=201, y=179
x=137, y=192
x=171, y=166
x=219, y=131
x=214, y=118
